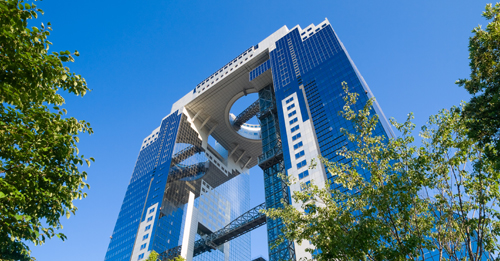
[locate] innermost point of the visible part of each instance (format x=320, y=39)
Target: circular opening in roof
x=243, y=103
x=243, y=116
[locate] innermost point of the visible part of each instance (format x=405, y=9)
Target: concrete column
x=190, y=227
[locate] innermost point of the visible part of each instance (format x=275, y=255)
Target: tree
x=484, y=84
x=39, y=175
x=436, y=199
x=153, y=256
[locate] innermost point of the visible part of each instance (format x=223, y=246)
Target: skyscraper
x=185, y=191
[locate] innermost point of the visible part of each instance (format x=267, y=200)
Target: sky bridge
x=245, y=223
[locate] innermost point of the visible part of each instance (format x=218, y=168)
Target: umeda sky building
x=190, y=197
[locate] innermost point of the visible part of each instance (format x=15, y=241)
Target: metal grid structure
x=170, y=254
x=272, y=163
x=243, y=224
x=246, y=115
x=185, y=153
x=175, y=160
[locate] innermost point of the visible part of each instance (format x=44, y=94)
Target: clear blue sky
x=141, y=56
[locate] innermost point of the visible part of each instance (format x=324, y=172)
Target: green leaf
x=409, y=200
x=36, y=142
x=88, y=162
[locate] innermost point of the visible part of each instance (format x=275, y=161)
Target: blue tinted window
x=291, y=106
x=121, y=245
x=145, y=237
x=289, y=100
x=150, y=218
x=143, y=246
x=298, y=145
x=296, y=136
x=295, y=128
x=294, y=120
x=147, y=228
x=303, y=174
x=300, y=154
x=301, y=164
x=292, y=113
x=260, y=69
x=320, y=65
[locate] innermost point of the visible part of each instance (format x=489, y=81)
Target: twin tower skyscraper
x=191, y=197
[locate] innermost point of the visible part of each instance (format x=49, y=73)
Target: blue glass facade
x=173, y=164
x=298, y=78
x=326, y=100
x=308, y=67
x=148, y=176
x=272, y=163
x=318, y=65
x=237, y=193
x=260, y=69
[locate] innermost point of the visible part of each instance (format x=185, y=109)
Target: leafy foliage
x=39, y=175
x=484, y=107
x=153, y=256
x=436, y=199
x=179, y=258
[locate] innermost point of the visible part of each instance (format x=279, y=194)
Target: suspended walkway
x=243, y=224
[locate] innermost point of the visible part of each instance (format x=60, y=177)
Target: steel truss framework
x=185, y=153
x=243, y=224
x=182, y=171
x=246, y=115
x=272, y=163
